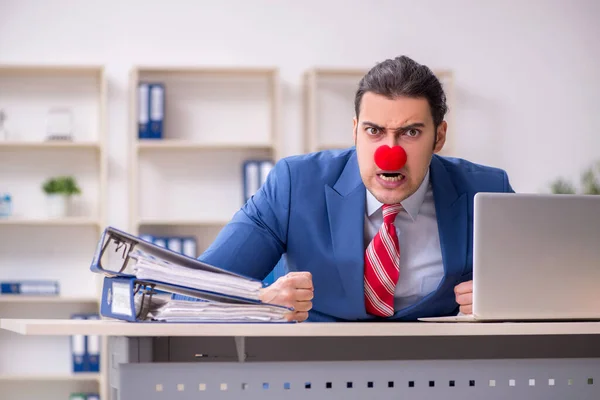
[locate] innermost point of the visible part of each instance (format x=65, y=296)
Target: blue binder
x=157, y=110
x=128, y=298
x=93, y=348
x=79, y=349
x=143, y=110
x=254, y=174
x=31, y=287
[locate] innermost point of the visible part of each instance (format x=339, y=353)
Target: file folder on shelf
x=128, y=296
x=79, y=349
x=93, y=348
x=254, y=175
x=143, y=98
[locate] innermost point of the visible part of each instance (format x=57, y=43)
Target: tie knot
x=390, y=211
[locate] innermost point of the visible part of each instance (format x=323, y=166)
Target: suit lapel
x=451, y=210
x=346, y=213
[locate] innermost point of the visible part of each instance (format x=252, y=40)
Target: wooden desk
x=343, y=360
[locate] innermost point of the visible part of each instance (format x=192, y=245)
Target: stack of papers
x=167, y=309
x=171, y=305
x=148, y=267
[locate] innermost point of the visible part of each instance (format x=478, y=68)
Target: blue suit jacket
x=311, y=211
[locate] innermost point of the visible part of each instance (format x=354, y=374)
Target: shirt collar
x=411, y=204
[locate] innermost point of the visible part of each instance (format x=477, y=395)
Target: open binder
x=128, y=297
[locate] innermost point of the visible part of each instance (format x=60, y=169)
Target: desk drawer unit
x=544, y=379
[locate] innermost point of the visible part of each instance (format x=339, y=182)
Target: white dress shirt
x=421, y=268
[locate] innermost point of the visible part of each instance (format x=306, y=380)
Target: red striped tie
x=382, y=265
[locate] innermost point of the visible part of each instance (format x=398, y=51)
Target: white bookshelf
x=36, y=246
x=329, y=106
x=189, y=183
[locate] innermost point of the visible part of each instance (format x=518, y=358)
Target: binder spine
x=79, y=349
x=160, y=241
x=143, y=111
x=251, y=178
x=118, y=299
x=126, y=299
x=30, y=288
x=93, y=347
x=157, y=110
x=265, y=168
x=190, y=247
x=175, y=244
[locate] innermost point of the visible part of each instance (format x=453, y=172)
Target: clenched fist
x=292, y=290
x=464, y=296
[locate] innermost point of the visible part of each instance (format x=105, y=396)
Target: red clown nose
x=390, y=159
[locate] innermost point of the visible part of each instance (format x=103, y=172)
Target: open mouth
x=391, y=176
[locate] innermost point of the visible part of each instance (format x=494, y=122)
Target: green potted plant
x=59, y=191
x=590, y=183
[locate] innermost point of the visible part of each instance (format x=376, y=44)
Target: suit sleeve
x=254, y=240
x=507, y=187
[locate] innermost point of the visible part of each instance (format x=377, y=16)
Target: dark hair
x=403, y=76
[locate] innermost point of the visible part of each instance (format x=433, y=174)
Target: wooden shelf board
x=16, y=145
x=181, y=222
x=326, y=71
x=234, y=71
x=173, y=144
x=71, y=221
x=50, y=69
x=107, y=327
x=83, y=377
x=359, y=72
x=17, y=298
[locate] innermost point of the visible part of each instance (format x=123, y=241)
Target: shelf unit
x=329, y=106
x=189, y=182
x=35, y=246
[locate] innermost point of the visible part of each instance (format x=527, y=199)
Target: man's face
x=405, y=122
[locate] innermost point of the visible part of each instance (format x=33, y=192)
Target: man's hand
x=292, y=290
x=464, y=296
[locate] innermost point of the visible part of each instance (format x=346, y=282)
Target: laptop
x=536, y=257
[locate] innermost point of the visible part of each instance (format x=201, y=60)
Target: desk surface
x=305, y=329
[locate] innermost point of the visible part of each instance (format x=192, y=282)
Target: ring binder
x=148, y=289
x=129, y=296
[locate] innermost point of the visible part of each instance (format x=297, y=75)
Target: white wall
x=527, y=72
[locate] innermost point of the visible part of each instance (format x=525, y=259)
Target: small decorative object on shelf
x=3, y=130
x=58, y=192
x=59, y=124
x=5, y=205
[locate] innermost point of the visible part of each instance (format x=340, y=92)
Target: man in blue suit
x=319, y=213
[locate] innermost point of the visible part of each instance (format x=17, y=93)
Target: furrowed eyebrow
x=368, y=123
x=400, y=129
x=411, y=126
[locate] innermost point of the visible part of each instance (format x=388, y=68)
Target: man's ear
x=440, y=137
x=354, y=129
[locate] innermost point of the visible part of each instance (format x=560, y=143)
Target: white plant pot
x=58, y=205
